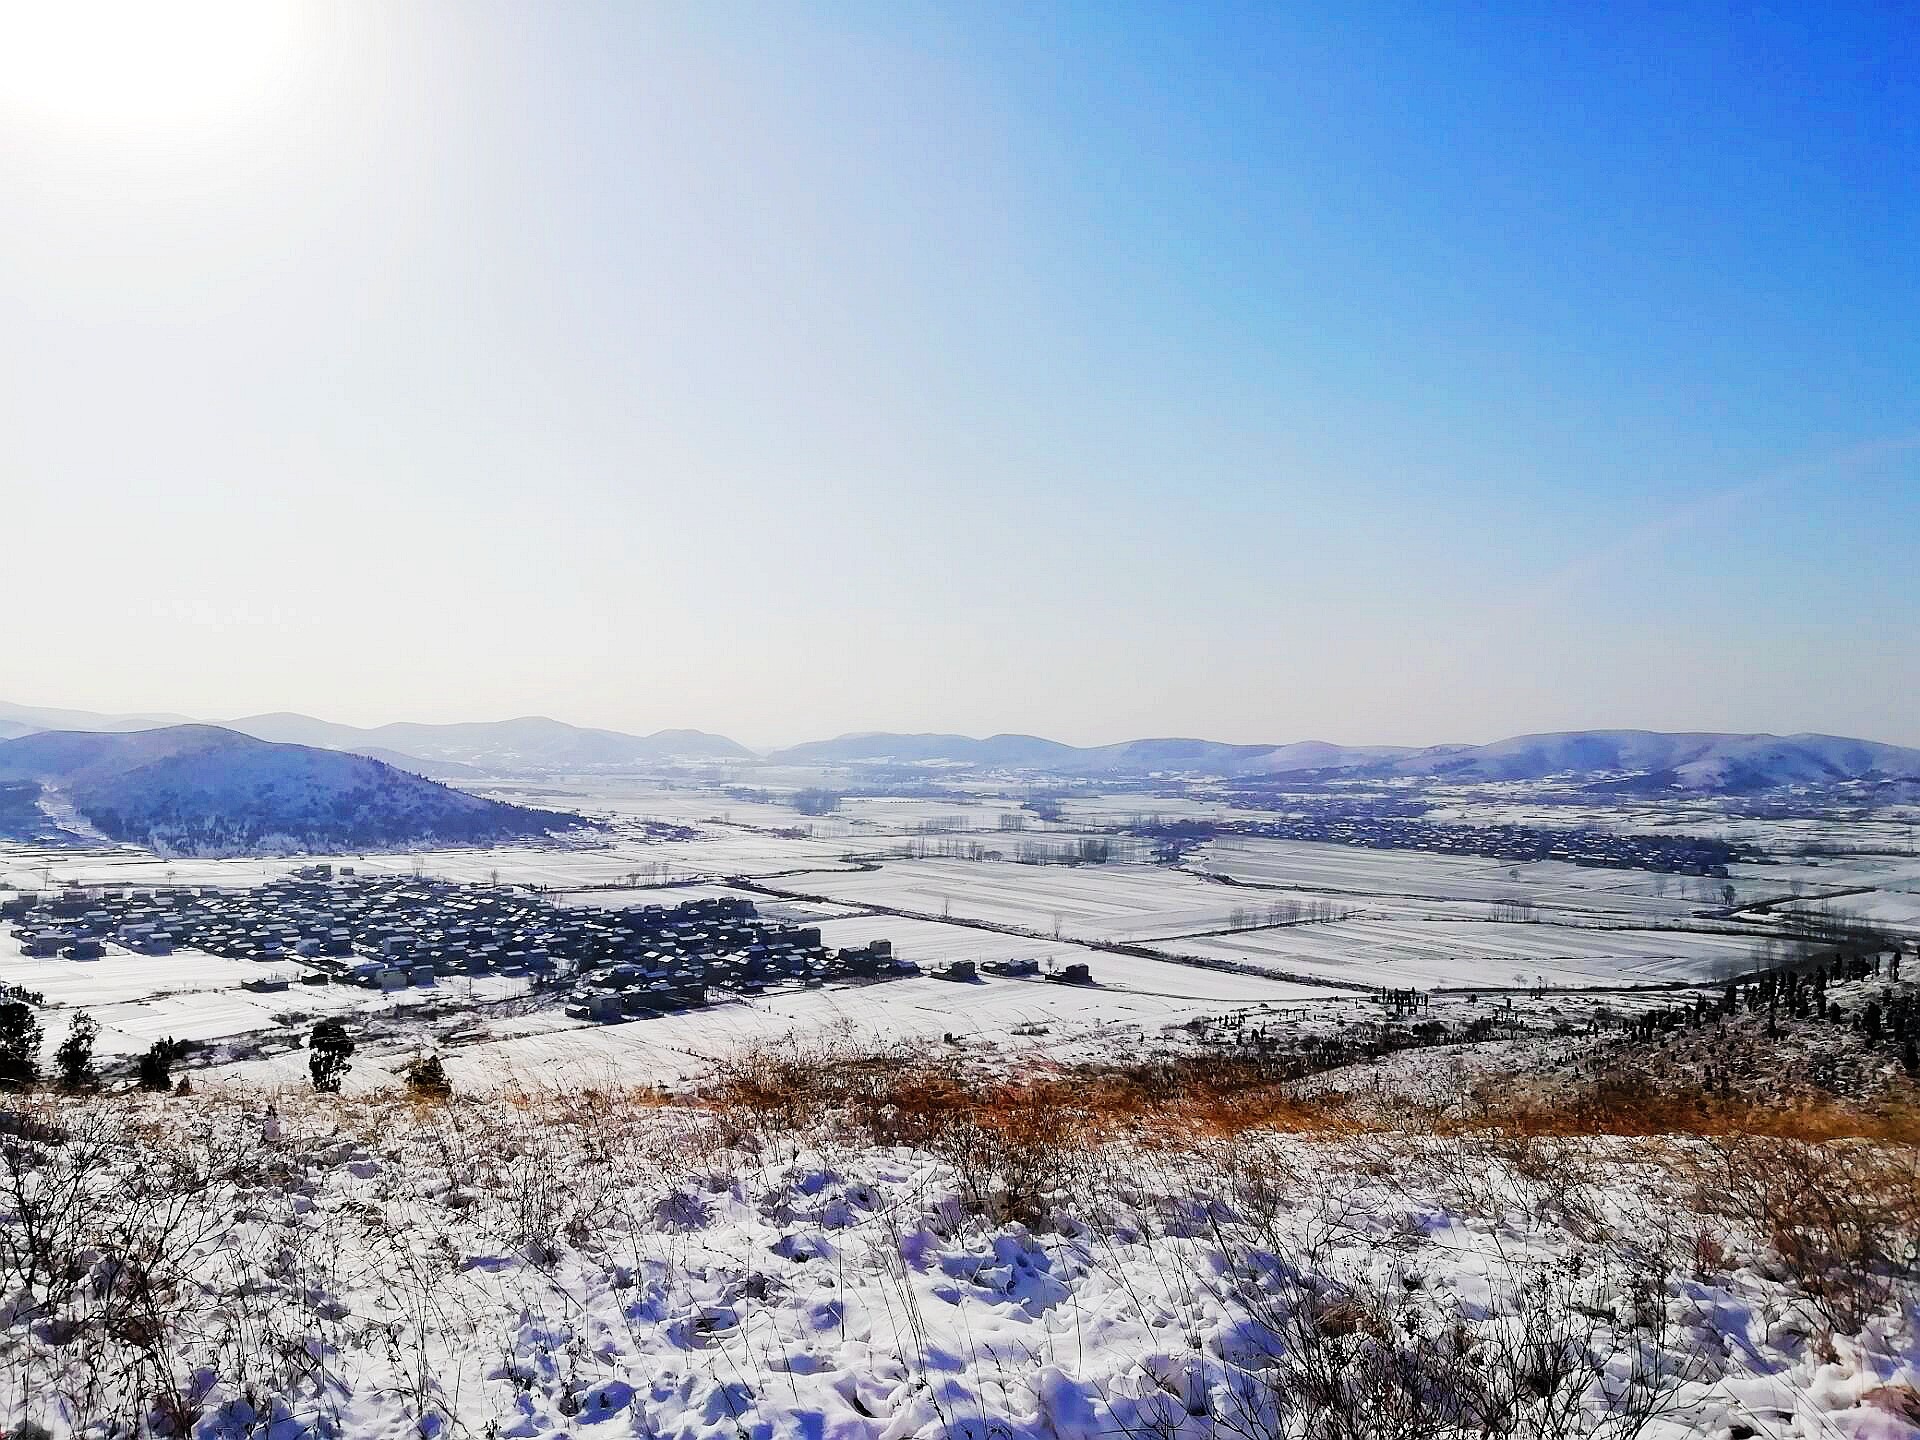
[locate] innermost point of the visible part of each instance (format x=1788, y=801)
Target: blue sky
x=1390, y=374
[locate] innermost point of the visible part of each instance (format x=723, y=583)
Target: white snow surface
x=474, y=1271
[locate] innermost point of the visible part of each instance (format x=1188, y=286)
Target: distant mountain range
x=1638, y=761
x=532, y=742
x=203, y=790
x=1625, y=761
x=16, y=720
x=1647, y=760
x=444, y=752
x=1031, y=752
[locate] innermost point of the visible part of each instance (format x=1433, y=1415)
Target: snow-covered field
x=120, y=976
x=717, y=856
x=1896, y=909
x=1550, y=885
x=137, y=999
x=1479, y=954
x=515, y=1269
x=1130, y=1002
x=1409, y=919
x=1118, y=902
x=1887, y=829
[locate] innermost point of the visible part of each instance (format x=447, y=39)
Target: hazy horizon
x=1337, y=373
x=767, y=745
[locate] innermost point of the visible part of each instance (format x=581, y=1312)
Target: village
x=1691, y=855
x=319, y=926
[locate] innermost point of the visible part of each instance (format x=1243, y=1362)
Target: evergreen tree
x=155, y=1071
x=75, y=1055
x=19, y=1046
x=332, y=1051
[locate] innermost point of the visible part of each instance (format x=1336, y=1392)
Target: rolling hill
x=443, y=752
x=1622, y=761
x=18, y=720
x=1648, y=760
x=532, y=742
x=1032, y=752
x=204, y=790
x=1631, y=760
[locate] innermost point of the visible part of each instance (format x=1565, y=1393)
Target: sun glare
x=116, y=63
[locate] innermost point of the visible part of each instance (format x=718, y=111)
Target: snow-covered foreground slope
x=592, y=1265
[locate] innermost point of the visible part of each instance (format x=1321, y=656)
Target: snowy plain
x=1406, y=919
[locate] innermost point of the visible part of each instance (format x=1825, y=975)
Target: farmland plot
x=1109, y=810
x=631, y=799
x=131, y=1026
x=558, y=867
x=1130, y=998
x=1480, y=954
x=908, y=815
x=930, y=942
x=1810, y=876
x=120, y=976
x=35, y=869
x=514, y=864
x=1121, y=902
x=1550, y=884
x=189, y=995
x=1891, y=909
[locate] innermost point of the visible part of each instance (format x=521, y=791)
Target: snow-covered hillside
x=1705, y=762
x=237, y=1263
x=201, y=790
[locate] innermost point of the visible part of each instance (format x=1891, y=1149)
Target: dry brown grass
x=1638, y=1106
x=1016, y=1139
x=1163, y=1151
x=899, y=1095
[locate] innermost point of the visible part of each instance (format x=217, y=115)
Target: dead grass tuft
x=1633, y=1105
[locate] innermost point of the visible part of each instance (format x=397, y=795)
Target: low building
x=604, y=1005
x=1012, y=967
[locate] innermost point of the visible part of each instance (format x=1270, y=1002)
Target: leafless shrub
x=1843, y=1217
x=148, y=1243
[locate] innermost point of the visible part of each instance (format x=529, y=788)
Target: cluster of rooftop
x=395, y=931
x=1522, y=844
